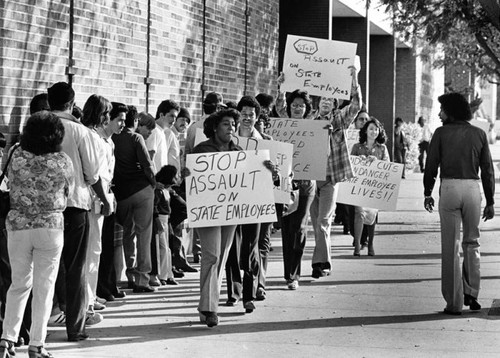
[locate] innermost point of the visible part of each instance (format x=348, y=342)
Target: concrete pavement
x=382, y=306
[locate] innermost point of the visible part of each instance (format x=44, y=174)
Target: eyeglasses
x=295, y=105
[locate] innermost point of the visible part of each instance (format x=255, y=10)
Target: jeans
x=34, y=258
x=135, y=214
x=294, y=232
x=322, y=211
x=76, y=235
x=215, y=244
x=459, y=203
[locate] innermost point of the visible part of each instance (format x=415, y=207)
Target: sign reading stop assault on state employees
x=319, y=66
x=310, y=145
x=229, y=188
x=375, y=185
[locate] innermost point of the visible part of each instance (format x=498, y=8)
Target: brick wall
x=110, y=51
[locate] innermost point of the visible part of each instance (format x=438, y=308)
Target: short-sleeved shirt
x=132, y=159
x=157, y=143
x=39, y=188
x=80, y=147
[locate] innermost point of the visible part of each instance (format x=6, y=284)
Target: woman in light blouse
x=371, y=146
x=41, y=176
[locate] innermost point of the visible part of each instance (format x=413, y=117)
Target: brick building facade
x=106, y=47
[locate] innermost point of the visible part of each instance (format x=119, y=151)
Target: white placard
x=319, y=66
x=375, y=185
x=229, y=188
x=310, y=145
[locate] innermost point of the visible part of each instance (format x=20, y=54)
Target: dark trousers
x=264, y=247
x=294, y=232
x=423, y=147
x=250, y=259
x=106, y=282
x=233, y=273
x=76, y=236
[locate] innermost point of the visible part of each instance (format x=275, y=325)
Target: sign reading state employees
x=229, y=188
x=318, y=66
x=375, y=185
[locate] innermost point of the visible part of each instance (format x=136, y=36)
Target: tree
x=468, y=31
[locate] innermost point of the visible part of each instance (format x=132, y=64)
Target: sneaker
x=293, y=285
x=101, y=300
x=93, y=318
x=261, y=294
x=99, y=306
x=57, y=319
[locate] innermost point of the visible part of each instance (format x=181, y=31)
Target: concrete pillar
x=382, y=83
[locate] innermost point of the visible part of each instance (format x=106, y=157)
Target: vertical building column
x=383, y=83
x=302, y=18
x=355, y=29
x=406, y=78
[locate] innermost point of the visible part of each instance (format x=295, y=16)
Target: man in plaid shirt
x=338, y=168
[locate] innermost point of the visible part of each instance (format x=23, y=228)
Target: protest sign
x=352, y=137
x=375, y=185
x=310, y=145
x=229, y=188
x=281, y=154
x=319, y=66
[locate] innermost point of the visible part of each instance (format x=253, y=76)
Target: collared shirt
x=79, y=146
x=181, y=138
x=426, y=133
x=157, y=143
x=460, y=150
x=339, y=165
x=174, y=151
x=378, y=150
x=39, y=188
x=132, y=164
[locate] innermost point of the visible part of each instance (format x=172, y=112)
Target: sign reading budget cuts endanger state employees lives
x=310, y=145
x=375, y=185
x=319, y=66
x=229, y=188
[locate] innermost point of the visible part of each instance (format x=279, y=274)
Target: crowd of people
x=96, y=187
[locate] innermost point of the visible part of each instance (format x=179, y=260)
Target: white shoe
x=293, y=285
x=93, y=318
x=101, y=300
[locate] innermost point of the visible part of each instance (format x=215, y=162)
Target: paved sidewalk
x=382, y=306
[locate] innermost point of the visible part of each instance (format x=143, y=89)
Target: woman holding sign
x=293, y=230
x=215, y=241
x=371, y=146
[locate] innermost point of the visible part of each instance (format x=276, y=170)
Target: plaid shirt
x=339, y=163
